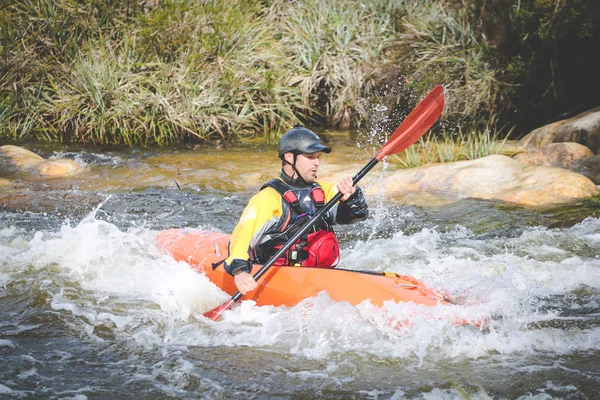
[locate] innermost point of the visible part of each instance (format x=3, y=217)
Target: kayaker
x=284, y=204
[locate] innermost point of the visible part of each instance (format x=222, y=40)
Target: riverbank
x=178, y=72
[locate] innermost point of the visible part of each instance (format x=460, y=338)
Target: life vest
x=318, y=247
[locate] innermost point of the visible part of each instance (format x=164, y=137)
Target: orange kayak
x=289, y=285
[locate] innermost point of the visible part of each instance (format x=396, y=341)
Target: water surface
x=90, y=308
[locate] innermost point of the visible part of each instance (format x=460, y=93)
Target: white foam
x=101, y=276
x=6, y=390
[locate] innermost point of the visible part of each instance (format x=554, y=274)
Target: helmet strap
x=293, y=165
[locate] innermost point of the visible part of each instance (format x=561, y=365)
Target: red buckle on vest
x=318, y=196
x=291, y=198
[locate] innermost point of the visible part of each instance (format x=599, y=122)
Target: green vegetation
x=168, y=71
x=447, y=147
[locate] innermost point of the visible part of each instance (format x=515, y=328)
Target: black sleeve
x=238, y=265
x=352, y=210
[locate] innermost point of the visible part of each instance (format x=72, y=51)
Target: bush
x=177, y=70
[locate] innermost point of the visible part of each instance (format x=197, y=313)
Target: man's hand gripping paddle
x=410, y=130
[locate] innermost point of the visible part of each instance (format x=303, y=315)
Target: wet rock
x=14, y=159
x=572, y=156
x=494, y=177
x=589, y=167
x=555, y=155
x=56, y=167
x=510, y=148
x=583, y=129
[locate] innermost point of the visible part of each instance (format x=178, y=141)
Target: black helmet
x=300, y=140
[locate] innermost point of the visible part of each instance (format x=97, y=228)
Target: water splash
x=110, y=287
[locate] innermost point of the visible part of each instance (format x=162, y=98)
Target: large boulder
x=589, y=167
x=494, y=177
x=583, y=129
x=572, y=156
x=559, y=155
x=14, y=159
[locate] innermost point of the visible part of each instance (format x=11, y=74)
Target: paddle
x=410, y=130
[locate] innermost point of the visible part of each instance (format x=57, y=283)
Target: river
x=91, y=309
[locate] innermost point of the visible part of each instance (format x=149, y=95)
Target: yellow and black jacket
x=267, y=212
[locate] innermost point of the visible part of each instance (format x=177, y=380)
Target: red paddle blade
x=215, y=313
x=415, y=124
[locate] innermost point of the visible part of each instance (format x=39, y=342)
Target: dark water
x=89, y=308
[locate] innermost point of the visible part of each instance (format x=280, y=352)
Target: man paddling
x=284, y=205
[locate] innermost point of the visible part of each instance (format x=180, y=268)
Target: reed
x=450, y=147
x=441, y=44
x=333, y=50
x=177, y=70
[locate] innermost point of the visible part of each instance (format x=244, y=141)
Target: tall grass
x=334, y=49
x=178, y=70
x=441, y=44
x=450, y=147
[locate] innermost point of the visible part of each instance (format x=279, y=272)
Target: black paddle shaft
x=307, y=226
